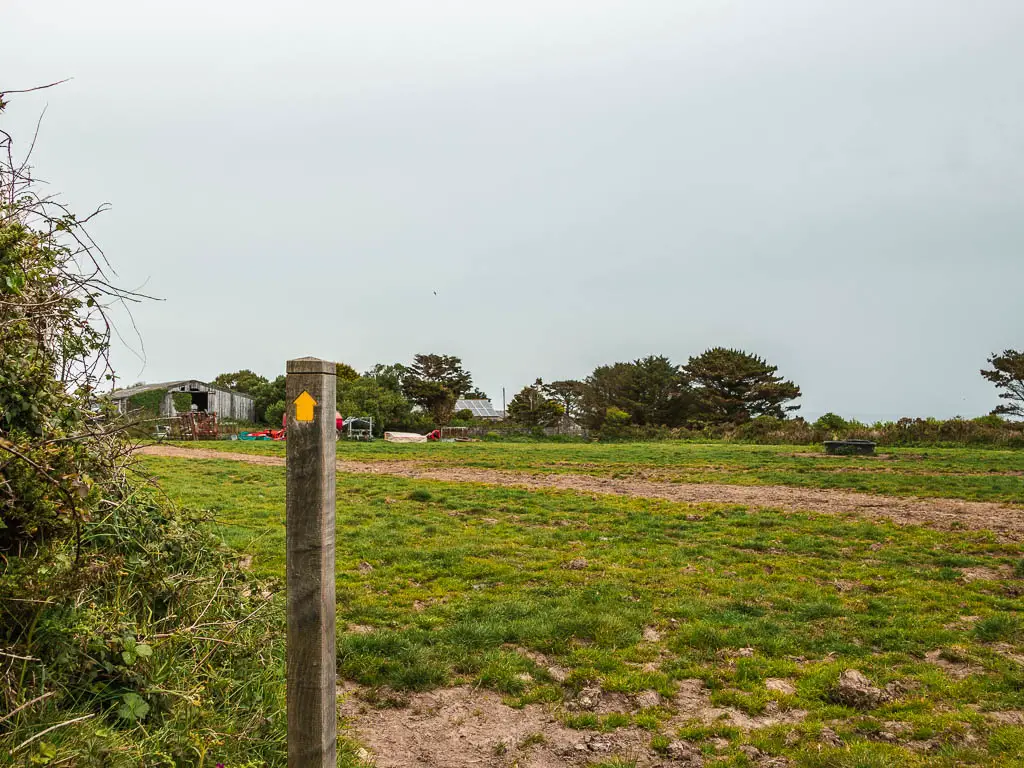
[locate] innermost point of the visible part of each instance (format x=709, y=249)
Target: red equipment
x=265, y=434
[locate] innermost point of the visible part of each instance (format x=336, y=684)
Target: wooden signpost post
x=312, y=724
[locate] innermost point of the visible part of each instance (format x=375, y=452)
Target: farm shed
x=173, y=397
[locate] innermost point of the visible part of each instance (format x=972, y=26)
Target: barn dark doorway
x=201, y=400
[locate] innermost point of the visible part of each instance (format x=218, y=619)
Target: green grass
x=464, y=575
x=974, y=474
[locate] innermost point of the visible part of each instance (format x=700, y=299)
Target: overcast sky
x=837, y=185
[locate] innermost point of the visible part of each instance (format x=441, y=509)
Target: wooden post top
x=312, y=365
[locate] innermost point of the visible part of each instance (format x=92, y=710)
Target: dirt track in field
x=1006, y=520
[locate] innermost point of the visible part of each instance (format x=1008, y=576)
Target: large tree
x=368, y=396
x=532, y=408
x=567, y=393
x=1007, y=373
x=388, y=376
x=609, y=386
x=345, y=372
x=731, y=386
x=244, y=381
x=660, y=392
x=651, y=390
x=435, y=382
x=269, y=398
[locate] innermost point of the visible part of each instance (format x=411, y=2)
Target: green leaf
x=133, y=707
x=143, y=650
x=44, y=754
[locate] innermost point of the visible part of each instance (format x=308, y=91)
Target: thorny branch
x=63, y=312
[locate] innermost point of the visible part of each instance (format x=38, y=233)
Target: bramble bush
x=128, y=635
x=989, y=431
x=986, y=431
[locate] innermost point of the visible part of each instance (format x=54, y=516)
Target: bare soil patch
x=956, y=669
x=175, y=452
x=1008, y=717
x=693, y=702
x=1006, y=520
x=465, y=726
x=981, y=573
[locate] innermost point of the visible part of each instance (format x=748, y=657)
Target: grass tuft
x=998, y=626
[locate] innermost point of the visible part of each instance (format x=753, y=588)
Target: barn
x=173, y=397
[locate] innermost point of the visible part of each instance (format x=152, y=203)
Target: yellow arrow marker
x=304, y=406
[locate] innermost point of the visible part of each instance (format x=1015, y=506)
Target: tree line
x=718, y=388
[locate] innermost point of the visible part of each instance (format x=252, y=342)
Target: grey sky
x=835, y=185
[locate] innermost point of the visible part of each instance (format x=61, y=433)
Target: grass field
x=560, y=599
x=974, y=474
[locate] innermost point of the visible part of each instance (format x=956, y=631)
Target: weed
x=660, y=743
x=617, y=762
x=532, y=740
x=859, y=755
x=1007, y=740
x=998, y=626
x=647, y=720
x=698, y=731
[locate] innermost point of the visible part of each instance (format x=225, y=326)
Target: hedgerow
x=128, y=635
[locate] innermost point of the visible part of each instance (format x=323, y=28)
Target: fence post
x=311, y=688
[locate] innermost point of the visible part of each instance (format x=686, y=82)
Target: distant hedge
x=987, y=431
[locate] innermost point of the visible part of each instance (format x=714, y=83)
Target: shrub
x=108, y=632
x=616, y=424
x=103, y=585
x=986, y=431
x=274, y=413
x=759, y=428
x=832, y=422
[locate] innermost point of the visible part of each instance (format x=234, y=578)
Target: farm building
x=481, y=409
x=173, y=397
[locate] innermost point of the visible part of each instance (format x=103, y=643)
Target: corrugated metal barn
x=205, y=397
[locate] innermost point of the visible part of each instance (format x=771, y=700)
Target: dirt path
x=1006, y=520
